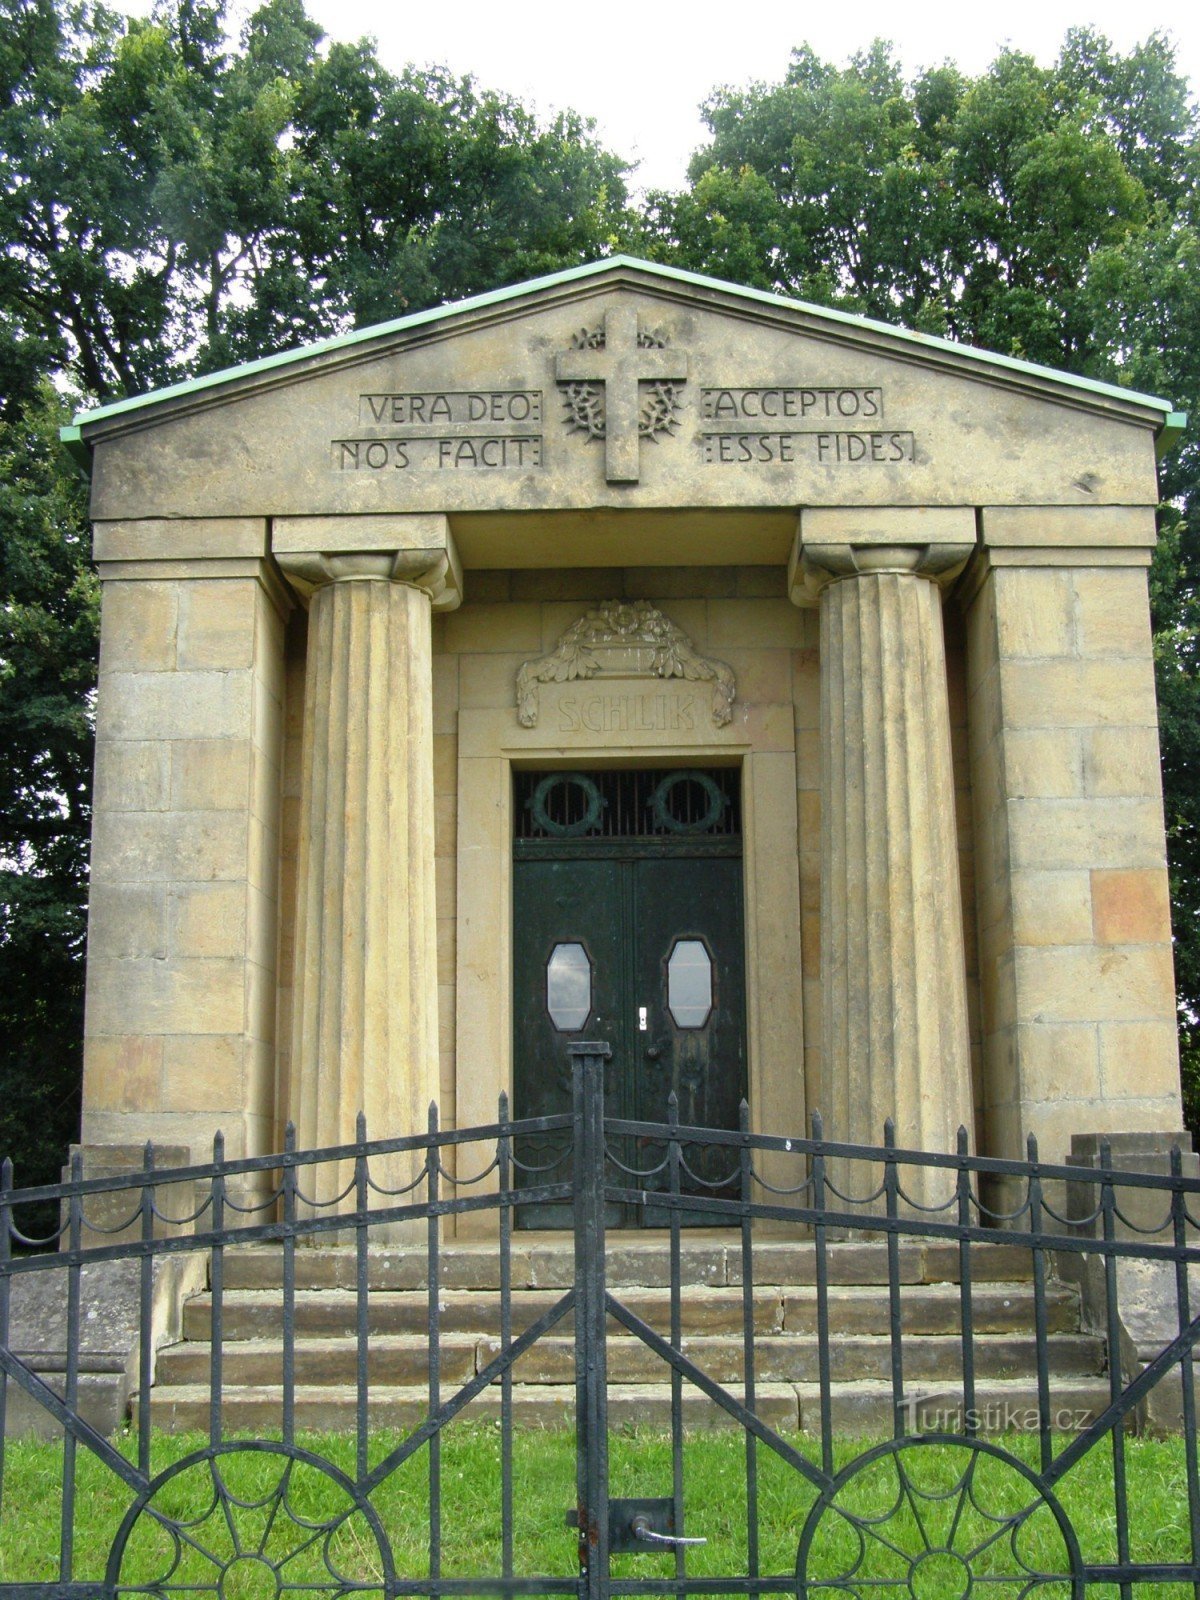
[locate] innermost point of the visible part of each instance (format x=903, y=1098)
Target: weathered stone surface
x=534, y=1406
x=184, y=915
x=364, y=1026
x=786, y=1354
x=108, y=1343
x=397, y=1359
x=894, y=1010
x=997, y=1309
x=254, y=1313
x=878, y=421
x=1070, y=883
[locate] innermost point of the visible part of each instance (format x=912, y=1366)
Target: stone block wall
x=180, y=1019
x=1073, y=912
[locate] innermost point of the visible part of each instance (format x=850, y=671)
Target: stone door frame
x=761, y=739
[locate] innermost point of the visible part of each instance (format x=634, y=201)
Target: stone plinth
x=1148, y=1306
x=114, y=1216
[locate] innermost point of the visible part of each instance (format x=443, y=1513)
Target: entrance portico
x=625, y=518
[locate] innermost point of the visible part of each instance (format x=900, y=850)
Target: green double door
x=642, y=948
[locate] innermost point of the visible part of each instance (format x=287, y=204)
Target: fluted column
x=364, y=1012
x=893, y=983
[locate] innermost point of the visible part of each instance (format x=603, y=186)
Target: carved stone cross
x=620, y=367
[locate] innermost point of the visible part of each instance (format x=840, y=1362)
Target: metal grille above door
x=656, y=803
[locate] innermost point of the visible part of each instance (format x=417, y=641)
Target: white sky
x=640, y=68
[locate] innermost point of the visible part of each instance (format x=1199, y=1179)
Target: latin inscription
x=473, y=452
x=500, y=430
x=444, y=430
x=827, y=448
x=626, y=713
x=848, y=427
x=780, y=405
x=451, y=408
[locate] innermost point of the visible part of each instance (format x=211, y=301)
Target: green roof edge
x=71, y=436
x=530, y=286
x=1170, y=433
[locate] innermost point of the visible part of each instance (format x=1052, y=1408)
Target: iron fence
x=944, y=1501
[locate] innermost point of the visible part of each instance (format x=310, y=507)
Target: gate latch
x=638, y=1524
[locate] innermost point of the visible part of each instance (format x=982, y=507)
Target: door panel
x=559, y=904
x=630, y=914
x=693, y=902
x=690, y=912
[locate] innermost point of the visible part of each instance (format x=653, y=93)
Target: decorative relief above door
x=624, y=639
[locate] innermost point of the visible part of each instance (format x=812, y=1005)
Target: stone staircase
x=785, y=1329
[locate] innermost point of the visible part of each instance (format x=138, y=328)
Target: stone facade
x=923, y=567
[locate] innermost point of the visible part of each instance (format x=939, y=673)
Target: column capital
x=415, y=550
x=846, y=542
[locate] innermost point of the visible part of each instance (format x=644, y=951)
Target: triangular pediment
x=621, y=386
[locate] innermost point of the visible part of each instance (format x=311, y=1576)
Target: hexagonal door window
x=689, y=983
x=568, y=987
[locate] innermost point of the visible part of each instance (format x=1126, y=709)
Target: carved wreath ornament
x=629, y=639
x=660, y=403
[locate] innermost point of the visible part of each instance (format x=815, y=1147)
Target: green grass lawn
x=301, y=1519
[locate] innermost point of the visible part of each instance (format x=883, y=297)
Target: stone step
x=858, y=1408
x=402, y=1359
x=643, y=1263
x=934, y=1308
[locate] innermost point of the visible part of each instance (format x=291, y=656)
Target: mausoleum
x=627, y=655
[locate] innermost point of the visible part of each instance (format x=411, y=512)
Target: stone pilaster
x=1078, y=994
x=183, y=915
x=894, y=1011
x=364, y=1022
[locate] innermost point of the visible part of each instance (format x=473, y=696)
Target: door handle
x=645, y=1534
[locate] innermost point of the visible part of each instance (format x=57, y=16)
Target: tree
x=173, y=202
x=1046, y=213
x=48, y=636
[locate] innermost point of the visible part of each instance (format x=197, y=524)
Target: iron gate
x=923, y=1514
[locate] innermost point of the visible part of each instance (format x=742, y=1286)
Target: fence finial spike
x=360, y=1127
x=218, y=1146
x=433, y=1116
x=1031, y=1146
x=6, y=1173
x=963, y=1139
x=818, y=1124
x=148, y=1156
x=502, y=1105
x=889, y=1132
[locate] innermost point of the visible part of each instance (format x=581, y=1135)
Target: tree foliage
x=1049, y=213
x=48, y=625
